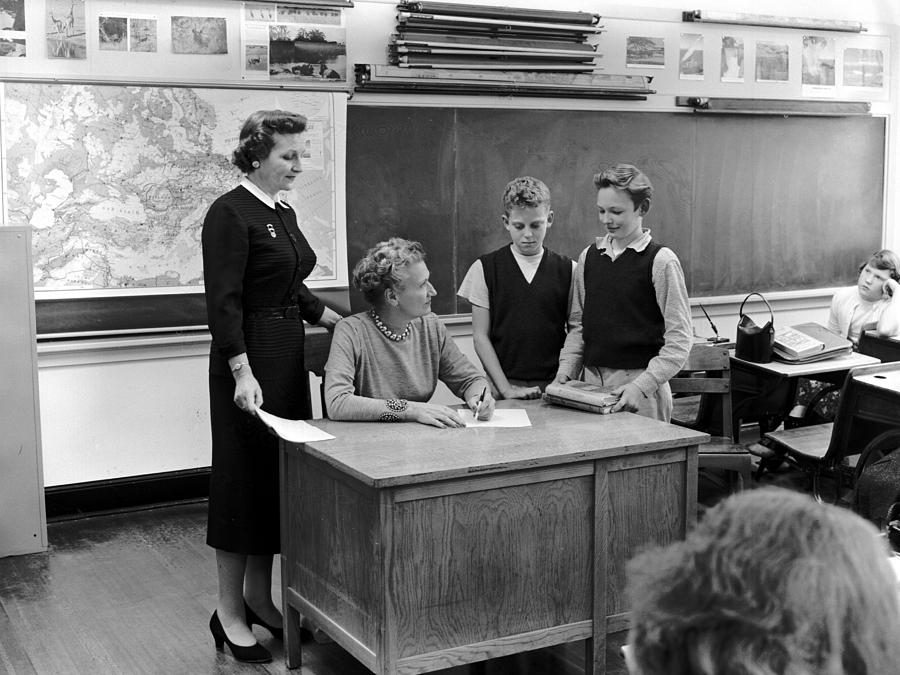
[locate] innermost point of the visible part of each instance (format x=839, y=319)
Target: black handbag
x=754, y=343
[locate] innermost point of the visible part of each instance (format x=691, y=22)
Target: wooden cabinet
x=23, y=526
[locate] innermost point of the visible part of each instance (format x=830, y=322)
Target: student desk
x=417, y=548
x=879, y=397
x=766, y=392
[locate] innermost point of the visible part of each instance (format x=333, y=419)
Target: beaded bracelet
x=395, y=406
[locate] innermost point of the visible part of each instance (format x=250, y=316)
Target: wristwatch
x=237, y=366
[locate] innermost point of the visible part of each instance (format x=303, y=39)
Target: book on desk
x=581, y=395
x=808, y=342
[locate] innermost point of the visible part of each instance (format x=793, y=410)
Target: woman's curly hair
x=377, y=270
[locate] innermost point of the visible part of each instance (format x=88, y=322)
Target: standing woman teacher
x=254, y=262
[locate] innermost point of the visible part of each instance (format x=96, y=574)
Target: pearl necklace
x=387, y=332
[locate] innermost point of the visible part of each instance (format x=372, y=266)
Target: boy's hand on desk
x=516, y=391
x=433, y=415
x=630, y=397
x=482, y=409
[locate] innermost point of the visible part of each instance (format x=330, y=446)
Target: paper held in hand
x=582, y=395
x=295, y=431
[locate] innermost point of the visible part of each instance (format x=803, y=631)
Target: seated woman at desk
x=385, y=363
x=872, y=303
x=770, y=582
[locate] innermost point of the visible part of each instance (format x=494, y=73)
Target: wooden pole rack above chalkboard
x=774, y=106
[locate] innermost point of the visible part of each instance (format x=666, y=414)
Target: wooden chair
x=708, y=373
x=317, y=344
x=824, y=450
x=883, y=348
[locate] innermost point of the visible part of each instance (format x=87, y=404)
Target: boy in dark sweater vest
x=630, y=321
x=520, y=297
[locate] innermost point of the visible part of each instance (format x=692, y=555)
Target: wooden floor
x=132, y=593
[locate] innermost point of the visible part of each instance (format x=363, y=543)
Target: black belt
x=289, y=312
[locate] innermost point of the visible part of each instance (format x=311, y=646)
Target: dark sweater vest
x=622, y=323
x=528, y=321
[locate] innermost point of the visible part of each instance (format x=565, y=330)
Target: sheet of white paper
x=295, y=431
x=502, y=417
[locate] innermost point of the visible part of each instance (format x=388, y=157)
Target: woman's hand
x=482, y=409
x=561, y=378
x=247, y=392
x=630, y=397
x=433, y=415
x=516, y=391
x=329, y=318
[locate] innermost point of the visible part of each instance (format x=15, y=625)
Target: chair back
x=714, y=363
x=884, y=349
x=316, y=345
x=857, y=421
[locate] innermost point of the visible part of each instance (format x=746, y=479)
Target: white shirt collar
x=254, y=190
x=638, y=244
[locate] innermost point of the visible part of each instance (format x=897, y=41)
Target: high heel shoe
x=253, y=618
x=255, y=653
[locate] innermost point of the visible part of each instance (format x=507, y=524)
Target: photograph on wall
x=307, y=52
x=732, y=63
x=771, y=61
x=142, y=34
x=113, y=33
x=199, y=35
x=645, y=52
x=66, y=29
x=256, y=60
x=690, y=58
x=818, y=63
x=12, y=46
x=260, y=12
x=863, y=68
x=284, y=42
x=12, y=15
x=127, y=34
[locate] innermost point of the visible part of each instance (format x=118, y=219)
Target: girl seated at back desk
x=385, y=363
x=872, y=303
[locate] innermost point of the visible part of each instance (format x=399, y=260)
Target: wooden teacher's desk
x=765, y=392
x=418, y=548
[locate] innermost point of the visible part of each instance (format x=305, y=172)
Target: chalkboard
x=764, y=203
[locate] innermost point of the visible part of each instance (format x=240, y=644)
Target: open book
x=581, y=395
x=808, y=342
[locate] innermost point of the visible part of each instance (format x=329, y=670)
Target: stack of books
x=808, y=342
x=581, y=395
x=459, y=36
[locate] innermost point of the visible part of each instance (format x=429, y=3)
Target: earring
x=254, y=164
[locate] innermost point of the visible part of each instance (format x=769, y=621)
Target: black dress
x=254, y=262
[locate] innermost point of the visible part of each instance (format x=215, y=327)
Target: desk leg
x=291, y=626
x=595, y=647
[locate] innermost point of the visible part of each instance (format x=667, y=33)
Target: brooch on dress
x=271, y=229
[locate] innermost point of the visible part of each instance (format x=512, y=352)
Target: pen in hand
x=478, y=404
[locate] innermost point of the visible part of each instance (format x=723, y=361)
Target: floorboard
x=132, y=593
